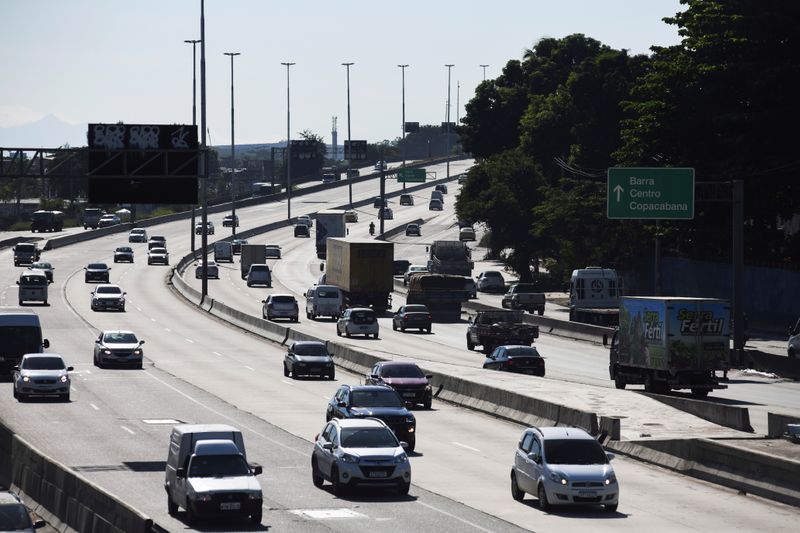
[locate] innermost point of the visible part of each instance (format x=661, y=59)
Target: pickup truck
x=490, y=329
x=524, y=296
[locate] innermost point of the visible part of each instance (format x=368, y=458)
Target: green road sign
x=654, y=193
x=411, y=175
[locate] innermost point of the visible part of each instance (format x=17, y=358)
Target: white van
x=20, y=333
x=33, y=286
x=324, y=300
x=223, y=252
x=208, y=475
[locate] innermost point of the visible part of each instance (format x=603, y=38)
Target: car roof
x=358, y=422
x=107, y=285
x=398, y=363
x=361, y=309
x=368, y=387
x=281, y=294
x=563, y=433
x=308, y=343
x=41, y=355
x=110, y=331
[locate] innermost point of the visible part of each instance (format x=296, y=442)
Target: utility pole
x=288, y=149
x=484, y=71
x=204, y=158
x=233, y=153
x=384, y=207
x=349, y=140
x=403, y=142
x=193, y=42
x=448, y=119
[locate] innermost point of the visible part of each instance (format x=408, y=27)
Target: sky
x=88, y=61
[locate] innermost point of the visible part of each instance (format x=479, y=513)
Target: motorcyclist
x=372, y=228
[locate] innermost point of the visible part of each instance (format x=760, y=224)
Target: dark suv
x=406, y=378
x=377, y=401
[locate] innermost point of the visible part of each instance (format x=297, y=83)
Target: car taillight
x=510, y=362
x=430, y=317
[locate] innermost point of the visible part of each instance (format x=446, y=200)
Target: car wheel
x=429, y=329
x=394, y=326
x=14, y=392
x=346, y=333
x=699, y=393
x=249, y=284
x=427, y=403
x=516, y=493
x=191, y=519
x=403, y=329
x=791, y=353
x=316, y=477
x=172, y=507
x=338, y=487
x=470, y=344
x=122, y=308
x=412, y=443
x=619, y=381
x=255, y=518
x=64, y=397
x=285, y=371
x=21, y=397
x=332, y=376
x=611, y=508
x=403, y=487
x=544, y=505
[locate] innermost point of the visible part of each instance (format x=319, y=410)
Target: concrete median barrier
x=731, y=416
x=777, y=424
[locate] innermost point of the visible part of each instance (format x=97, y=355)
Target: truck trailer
x=450, y=257
x=594, y=294
x=671, y=343
x=330, y=223
x=252, y=254
x=442, y=294
x=363, y=270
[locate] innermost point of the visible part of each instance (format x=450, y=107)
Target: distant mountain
x=48, y=132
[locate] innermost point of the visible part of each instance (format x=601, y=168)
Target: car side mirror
x=46, y=343
x=341, y=404
x=141, y=342
x=39, y=524
x=16, y=367
x=322, y=267
x=263, y=301
x=327, y=446
x=610, y=456
x=535, y=457
x=257, y=470
x=374, y=376
x=70, y=368
x=97, y=341
x=428, y=376
x=180, y=473
x=18, y=284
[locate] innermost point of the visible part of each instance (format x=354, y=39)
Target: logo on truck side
x=700, y=322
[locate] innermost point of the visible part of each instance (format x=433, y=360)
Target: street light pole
x=484, y=71
x=193, y=42
x=204, y=150
x=233, y=153
x=448, y=119
x=288, y=149
x=403, y=142
x=349, y=140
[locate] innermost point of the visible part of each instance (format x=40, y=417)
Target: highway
x=115, y=431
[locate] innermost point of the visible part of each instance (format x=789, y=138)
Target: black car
x=378, y=401
x=378, y=202
x=96, y=272
x=123, y=253
x=412, y=316
x=301, y=230
x=404, y=377
x=308, y=358
x=400, y=266
x=236, y=244
x=228, y=220
x=442, y=188
x=513, y=358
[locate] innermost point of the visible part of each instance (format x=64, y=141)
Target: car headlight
x=137, y=352
x=26, y=379
x=400, y=459
x=203, y=497
x=428, y=387
x=558, y=478
x=255, y=496
x=612, y=478
x=106, y=352
x=64, y=379
x=348, y=458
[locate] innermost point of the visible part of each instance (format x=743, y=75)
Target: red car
x=406, y=378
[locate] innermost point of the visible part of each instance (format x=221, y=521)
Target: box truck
x=330, y=223
x=362, y=269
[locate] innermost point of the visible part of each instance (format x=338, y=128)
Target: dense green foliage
x=722, y=101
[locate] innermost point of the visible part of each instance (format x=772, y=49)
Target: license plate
x=377, y=473
x=408, y=395
x=230, y=506
x=587, y=493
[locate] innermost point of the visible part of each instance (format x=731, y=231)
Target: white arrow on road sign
x=618, y=189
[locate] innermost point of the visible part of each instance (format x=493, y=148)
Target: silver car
x=491, y=281
x=358, y=321
x=212, y=270
x=412, y=270
x=280, y=306
x=137, y=235
x=118, y=348
x=563, y=466
x=42, y=375
x=359, y=451
x=158, y=255
x=273, y=251
x=108, y=296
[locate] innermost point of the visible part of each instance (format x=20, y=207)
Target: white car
x=380, y=165
x=305, y=219
x=273, y=251
x=118, y=348
x=280, y=306
x=108, y=296
x=357, y=321
x=157, y=255
x=108, y=220
x=41, y=374
x=490, y=281
x=413, y=269
x=137, y=235
x=563, y=466
x=212, y=270
x=359, y=451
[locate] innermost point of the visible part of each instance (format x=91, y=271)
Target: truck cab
x=25, y=253
x=594, y=294
x=20, y=333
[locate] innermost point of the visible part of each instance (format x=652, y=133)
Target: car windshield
x=109, y=290
x=368, y=438
x=522, y=351
x=42, y=266
x=158, y=250
x=137, y=231
x=574, y=452
x=124, y=249
x=43, y=363
x=259, y=268
x=376, y=398
x=218, y=466
x=120, y=337
x=526, y=288
x=14, y=517
x=416, y=309
x=492, y=274
x=401, y=371
x=327, y=293
x=32, y=279
x=418, y=269
x=282, y=299
x=98, y=266
x=311, y=349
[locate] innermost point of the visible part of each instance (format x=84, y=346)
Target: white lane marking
x=129, y=430
x=189, y=340
x=167, y=329
x=73, y=389
x=466, y=447
x=138, y=308
x=250, y=369
x=153, y=319
x=88, y=371
x=93, y=406
x=467, y=522
x=217, y=353
x=287, y=382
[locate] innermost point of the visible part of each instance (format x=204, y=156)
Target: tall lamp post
x=350, y=153
x=288, y=149
x=204, y=149
x=484, y=71
x=233, y=154
x=193, y=42
x=403, y=70
x=448, y=119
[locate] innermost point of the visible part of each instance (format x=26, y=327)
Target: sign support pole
x=657, y=261
x=738, y=271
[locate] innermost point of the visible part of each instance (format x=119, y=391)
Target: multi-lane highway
x=199, y=369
